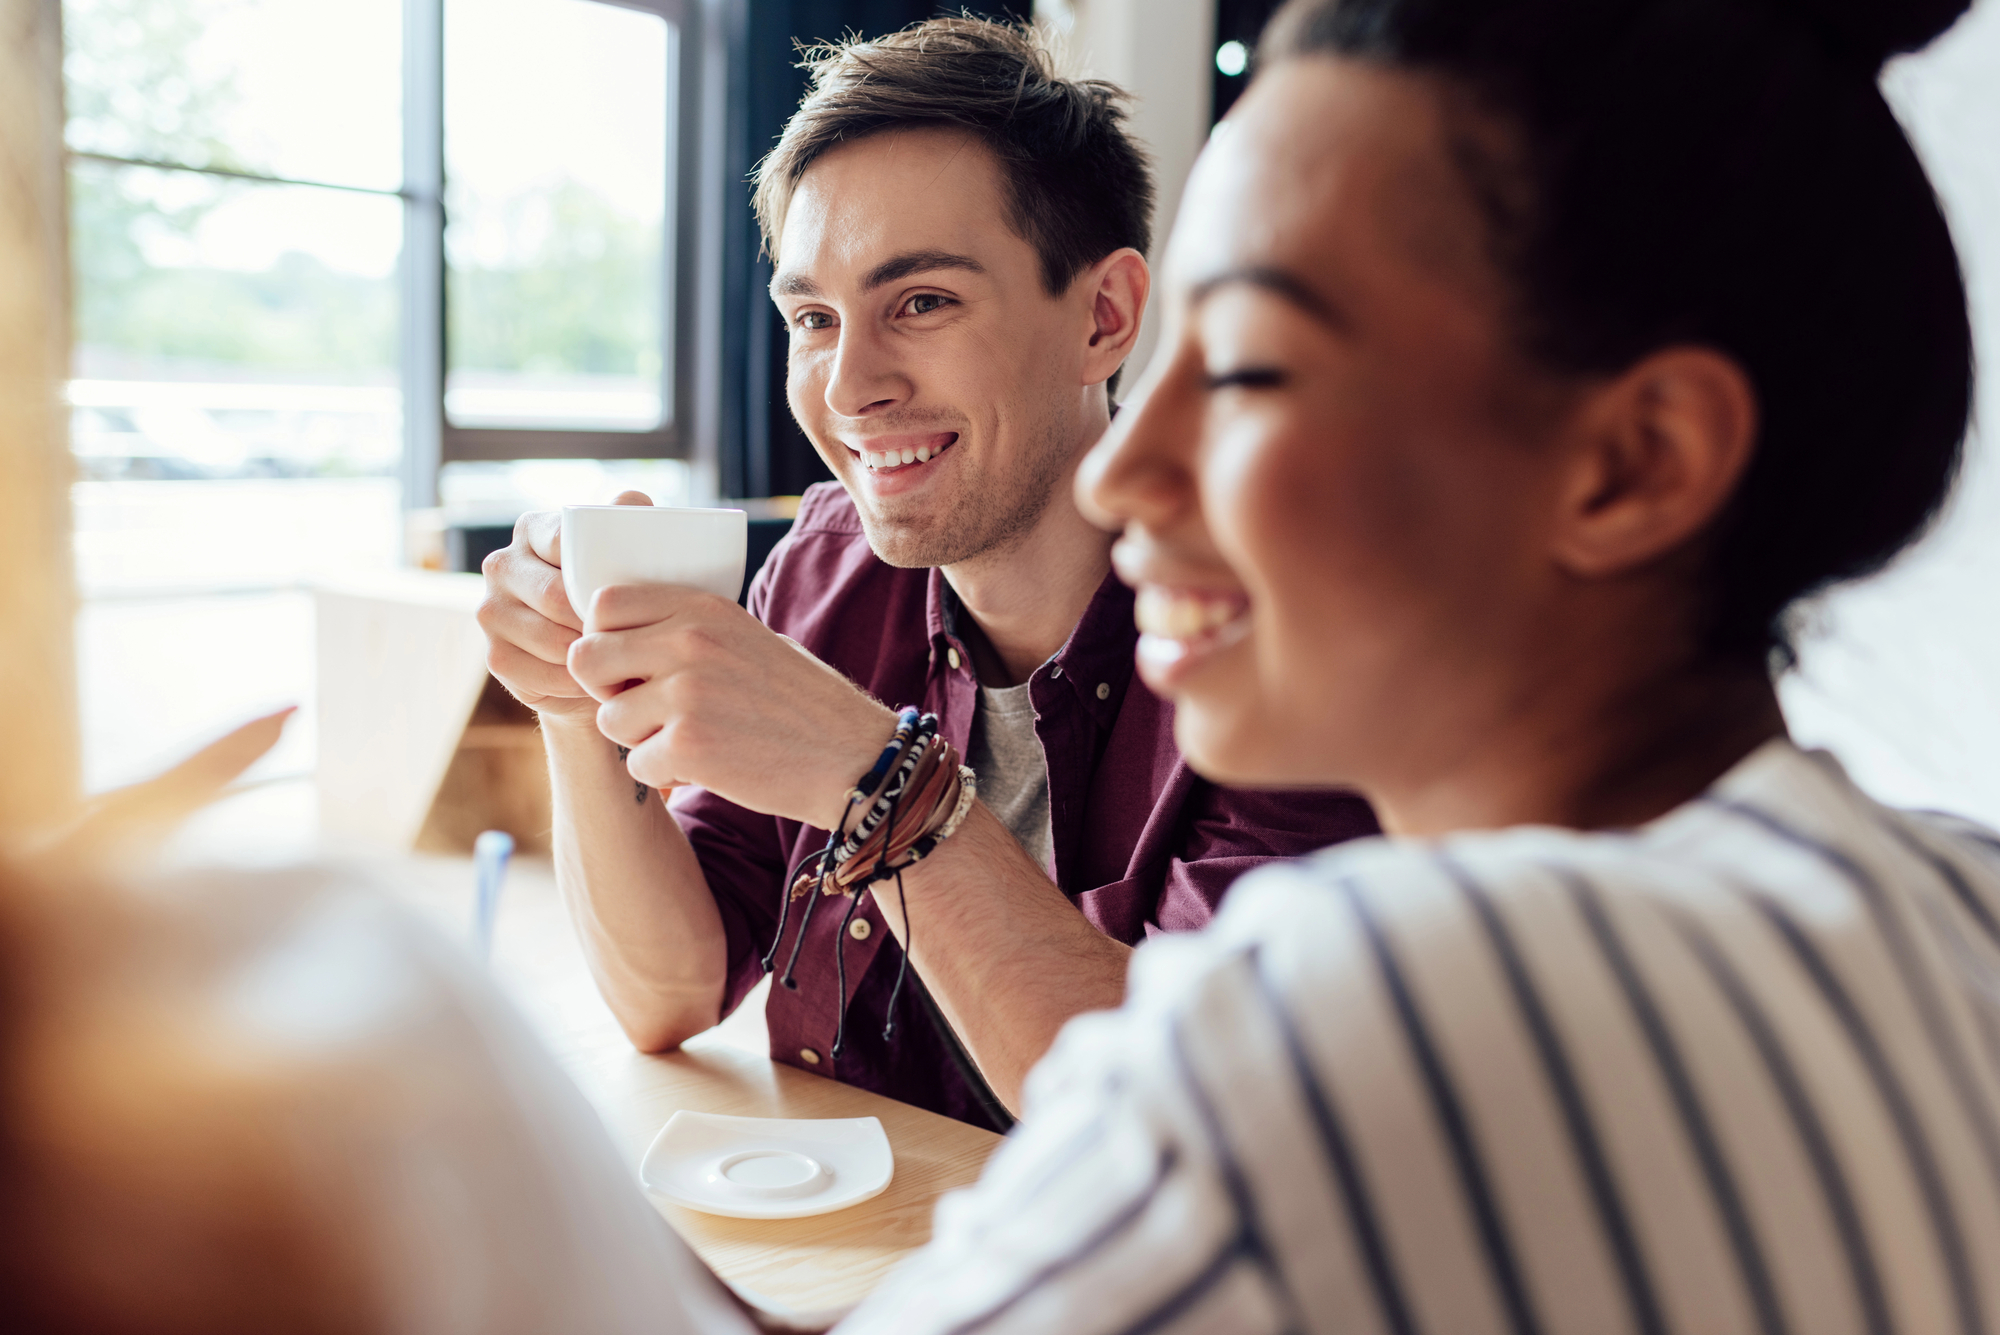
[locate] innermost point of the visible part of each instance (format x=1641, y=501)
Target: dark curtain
x=763, y=453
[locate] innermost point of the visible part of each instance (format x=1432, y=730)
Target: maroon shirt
x=1142, y=844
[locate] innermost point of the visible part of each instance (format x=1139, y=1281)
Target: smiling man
x=958, y=238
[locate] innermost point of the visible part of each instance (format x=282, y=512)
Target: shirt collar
x=1095, y=662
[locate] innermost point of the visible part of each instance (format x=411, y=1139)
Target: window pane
x=295, y=88
x=556, y=154
x=232, y=330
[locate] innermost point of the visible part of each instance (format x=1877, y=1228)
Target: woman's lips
x=1180, y=628
x=889, y=454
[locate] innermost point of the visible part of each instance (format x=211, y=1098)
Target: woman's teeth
x=1177, y=614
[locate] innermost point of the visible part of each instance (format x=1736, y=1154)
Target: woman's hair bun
x=1869, y=32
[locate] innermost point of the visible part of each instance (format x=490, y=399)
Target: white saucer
x=768, y=1167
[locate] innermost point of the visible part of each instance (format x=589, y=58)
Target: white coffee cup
x=651, y=544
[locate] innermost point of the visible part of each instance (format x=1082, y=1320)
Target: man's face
x=929, y=366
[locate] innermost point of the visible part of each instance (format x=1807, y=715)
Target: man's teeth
x=923, y=454
x=1178, y=615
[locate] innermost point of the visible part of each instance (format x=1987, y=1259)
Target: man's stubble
x=986, y=513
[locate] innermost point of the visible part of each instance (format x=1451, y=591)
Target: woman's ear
x=1118, y=285
x=1662, y=448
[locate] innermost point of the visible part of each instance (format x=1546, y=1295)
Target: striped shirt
x=1735, y=1071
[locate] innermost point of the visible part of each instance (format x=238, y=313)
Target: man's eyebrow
x=888, y=271
x=1279, y=283
x=918, y=261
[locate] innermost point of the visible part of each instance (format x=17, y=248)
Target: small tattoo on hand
x=639, y=790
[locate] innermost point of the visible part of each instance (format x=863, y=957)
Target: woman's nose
x=1138, y=471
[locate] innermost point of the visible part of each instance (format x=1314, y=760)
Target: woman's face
x=1335, y=476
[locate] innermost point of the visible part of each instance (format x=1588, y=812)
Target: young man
x=958, y=239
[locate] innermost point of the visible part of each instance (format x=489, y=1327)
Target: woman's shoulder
x=1783, y=853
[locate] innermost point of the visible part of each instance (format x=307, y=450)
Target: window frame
x=431, y=439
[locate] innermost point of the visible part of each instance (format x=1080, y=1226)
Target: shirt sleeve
x=741, y=852
x=1102, y=1212
x=1232, y=832
x=1183, y=1164
x=1408, y=1087
x=742, y=857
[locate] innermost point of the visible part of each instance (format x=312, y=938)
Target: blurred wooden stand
x=419, y=748
x=40, y=784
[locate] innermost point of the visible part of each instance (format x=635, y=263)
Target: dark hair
x=1722, y=173
x=1078, y=186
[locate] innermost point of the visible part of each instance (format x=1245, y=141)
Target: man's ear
x=1118, y=285
x=1661, y=451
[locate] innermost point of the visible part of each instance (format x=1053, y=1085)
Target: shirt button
x=808, y=1056
x=951, y=657
x=1104, y=690
x=859, y=929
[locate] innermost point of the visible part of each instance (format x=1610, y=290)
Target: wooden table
x=795, y=1267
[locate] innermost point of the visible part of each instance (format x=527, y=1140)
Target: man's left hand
x=704, y=693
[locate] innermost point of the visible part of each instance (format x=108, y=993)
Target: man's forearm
x=1003, y=951
x=648, y=922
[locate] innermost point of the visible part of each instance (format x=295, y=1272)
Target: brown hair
x=1079, y=187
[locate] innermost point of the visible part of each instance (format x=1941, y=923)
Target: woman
x=1528, y=360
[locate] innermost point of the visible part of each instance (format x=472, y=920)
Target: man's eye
x=926, y=302
x=1247, y=377
x=815, y=320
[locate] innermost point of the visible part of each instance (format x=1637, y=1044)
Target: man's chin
x=909, y=544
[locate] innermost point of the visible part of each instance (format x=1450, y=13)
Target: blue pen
x=489, y=867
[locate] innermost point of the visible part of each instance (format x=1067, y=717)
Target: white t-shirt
x=1013, y=772
x=1738, y=1070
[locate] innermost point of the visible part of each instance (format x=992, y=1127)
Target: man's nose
x=865, y=379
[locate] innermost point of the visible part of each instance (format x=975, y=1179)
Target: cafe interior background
x=354, y=285
x=301, y=304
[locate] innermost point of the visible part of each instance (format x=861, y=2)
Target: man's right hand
x=529, y=623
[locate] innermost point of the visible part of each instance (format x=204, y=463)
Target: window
x=320, y=251
x=556, y=127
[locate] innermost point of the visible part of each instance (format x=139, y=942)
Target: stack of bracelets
x=914, y=799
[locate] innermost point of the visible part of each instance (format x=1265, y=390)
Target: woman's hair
x=1722, y=173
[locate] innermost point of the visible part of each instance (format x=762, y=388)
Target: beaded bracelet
x=907, y=721
x=919, y=770
x=892, y=790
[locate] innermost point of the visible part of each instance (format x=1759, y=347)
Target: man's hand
x=702, y=692
x=528, y=621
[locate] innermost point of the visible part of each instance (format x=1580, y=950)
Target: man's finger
x=605, y=664
x=632, y=720
x=651, y=762
x=518, y=624
x=522, y=575
x=633, y=498
x=525, y=674
x=540, y=531
x=630, y=606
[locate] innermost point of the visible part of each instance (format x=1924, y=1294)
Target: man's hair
x=1078, y=187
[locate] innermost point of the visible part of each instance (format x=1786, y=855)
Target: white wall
x=1163, y=52
x=1901, y=675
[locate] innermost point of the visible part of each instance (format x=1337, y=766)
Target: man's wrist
x=856, y=755
x=575, y=732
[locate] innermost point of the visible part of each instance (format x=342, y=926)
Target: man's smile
x=887, y=454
